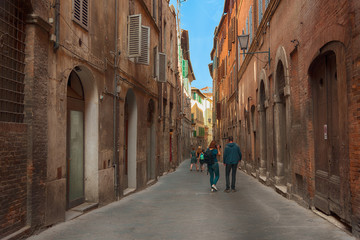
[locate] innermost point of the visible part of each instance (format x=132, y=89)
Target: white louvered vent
x=162, y=67
x=145, y=43
x=134, y=35
x=81, y=12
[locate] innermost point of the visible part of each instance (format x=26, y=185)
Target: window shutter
x=218, y=111
x=134, y=35
x=156, y=63
x=145, y=43
x=260, y=10
x=162, y=67
x=250, y=24
x=81, y=12
x=230, y=38
x=185, y=68
x=233, y=30
x=247, y=25
x=266, y=3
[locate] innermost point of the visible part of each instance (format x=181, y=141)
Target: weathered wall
x=13, y=177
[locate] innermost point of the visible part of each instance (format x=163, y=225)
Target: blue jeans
x=214, y=172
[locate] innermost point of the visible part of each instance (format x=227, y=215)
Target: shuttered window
x=250, y=25
x=260, y=10
x=233, y=30
x=162, y=67
x=81, y=12
x=266, y=3
x=145, y=44
x=134, y=35
x=156, y=63
x=230, y=37
x=185, y=68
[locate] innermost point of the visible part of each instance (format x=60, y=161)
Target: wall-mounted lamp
x=244, y=41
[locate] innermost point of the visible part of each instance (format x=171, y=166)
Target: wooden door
x=326, y=130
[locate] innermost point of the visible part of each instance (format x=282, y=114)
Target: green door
x=75, y=142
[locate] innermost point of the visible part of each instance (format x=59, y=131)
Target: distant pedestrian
x=213, y=166
x=198, y=153
x=201, y=161
x=193, y=159
x=232, y=156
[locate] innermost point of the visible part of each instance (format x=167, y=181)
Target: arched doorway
x=151, y=141
x=81, y=138
x=262, y=129
x=130, y=141
x=75, y=141
x=280, y=124
x=328, y=82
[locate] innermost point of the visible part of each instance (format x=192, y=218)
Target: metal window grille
x=12, y=61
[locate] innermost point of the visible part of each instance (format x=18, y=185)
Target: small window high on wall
x=81, y=13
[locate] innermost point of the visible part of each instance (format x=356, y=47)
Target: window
x=260, y=10
x=154, y=9
x=165, y=36
x=81, y=12
x=162, y=67
x=156, y=63
x=266, y=3
x=185, y=66
x=12, y=61
x=250, y=25
x=171, y=50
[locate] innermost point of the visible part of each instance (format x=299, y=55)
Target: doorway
x=327, y=133
x=151, y=139
x=280, y=124
x=130, y=125
x=75, y=141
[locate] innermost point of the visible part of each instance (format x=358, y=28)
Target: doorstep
x=80, y=210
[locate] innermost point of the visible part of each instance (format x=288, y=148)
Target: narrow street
x=180, y=206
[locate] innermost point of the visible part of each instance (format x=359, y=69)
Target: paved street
x=180, y=206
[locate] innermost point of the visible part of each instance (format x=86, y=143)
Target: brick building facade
x=89, y=105
x=296, y=104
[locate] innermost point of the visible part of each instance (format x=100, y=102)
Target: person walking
x=211, y=153
x=232, y=156
x=201, y=160
x=198, y=153
x=193, y=159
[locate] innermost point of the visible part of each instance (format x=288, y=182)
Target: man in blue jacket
x=232, y=156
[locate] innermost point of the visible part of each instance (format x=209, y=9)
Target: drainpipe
x=57, y=24
x=115, y=161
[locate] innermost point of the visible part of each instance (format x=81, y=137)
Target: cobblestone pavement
x=181, y=206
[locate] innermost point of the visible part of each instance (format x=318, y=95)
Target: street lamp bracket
x=244, y=41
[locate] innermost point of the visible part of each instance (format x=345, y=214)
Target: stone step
x=85, y=207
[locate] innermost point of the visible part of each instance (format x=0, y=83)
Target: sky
x=200, y=17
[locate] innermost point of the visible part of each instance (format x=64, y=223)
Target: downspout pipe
x=115, y=161
x=57, y=25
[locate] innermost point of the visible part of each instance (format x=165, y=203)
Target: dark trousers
x=228, y=168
